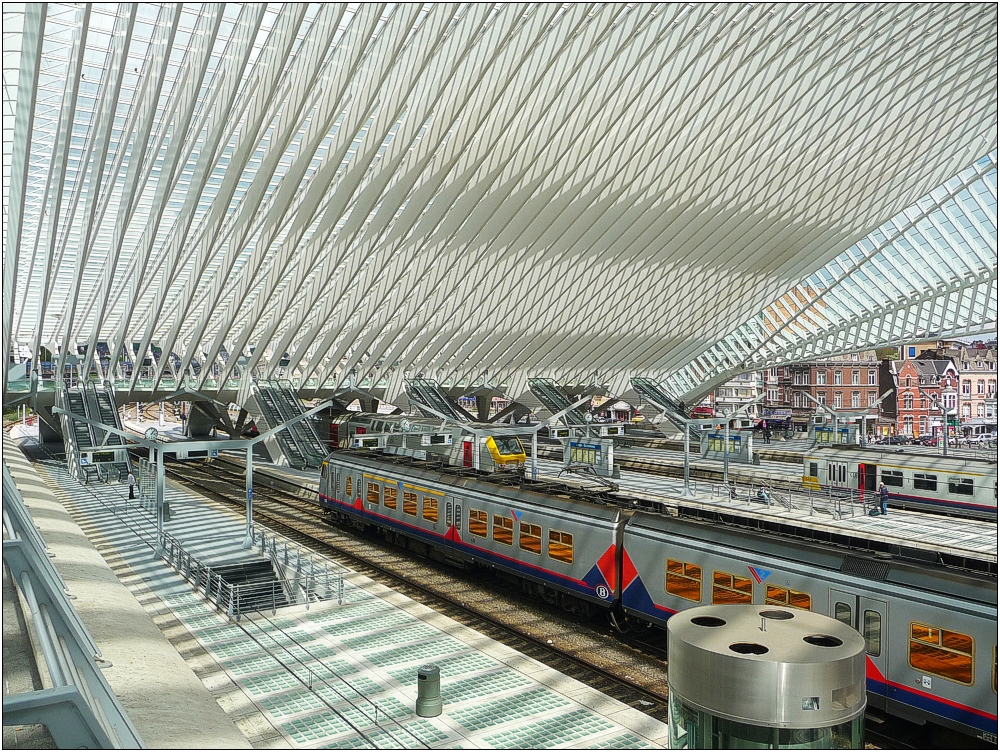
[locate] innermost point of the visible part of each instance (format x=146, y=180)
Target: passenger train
x=963, y=486
x=931, y=630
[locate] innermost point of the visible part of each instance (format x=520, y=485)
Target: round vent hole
x=748, y=648
x=708, y=621
x=823, y=641
x=776, y=615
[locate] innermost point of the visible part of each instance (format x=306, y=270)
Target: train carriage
x=567, y=548
x=962, y=486
x=931, y=633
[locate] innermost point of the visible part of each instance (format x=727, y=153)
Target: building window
x=908, y=425
x=966, y=387
x=855, y=377
x=907, y=401
x=980, y=387
x=838, y=377
x=871, y=378
x=966, y=410
x=923, y=425
x=980, y=410
x=871, y=399
x=855, y=399
x=911, y=352
x=821, y=398
x=908, y=381
x=821, y=378
x=838, y=400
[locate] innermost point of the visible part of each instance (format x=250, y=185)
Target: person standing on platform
x=131, y=485
x=883, y=498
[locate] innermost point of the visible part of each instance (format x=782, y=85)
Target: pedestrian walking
x=131, y=485
x=883, y=498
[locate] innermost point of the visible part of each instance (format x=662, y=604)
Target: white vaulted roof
x=452, y=188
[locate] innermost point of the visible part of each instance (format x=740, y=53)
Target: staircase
x=656, y=395
x=256, y=586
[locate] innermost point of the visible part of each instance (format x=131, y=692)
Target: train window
x=962, y=486
x=410, y=503
x=925, y=481
x=561, y=546
x=503, y=529
x=373, y=493
x=873, y=633
x=347, y=487
x=779, y=596
x=731, y=588
x=684, y=580
x=813, y=469
x=389, y=496
x=942, y=653
x=430, y=508
x=892, y=477
x=479, y=522
x=530, y=538
x=843, y=612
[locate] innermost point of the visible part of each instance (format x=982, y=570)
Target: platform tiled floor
x=344, y=676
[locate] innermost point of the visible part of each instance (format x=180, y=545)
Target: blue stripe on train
x=932, y=705
x=910, y=499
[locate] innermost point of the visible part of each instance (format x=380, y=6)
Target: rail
x=79, y=708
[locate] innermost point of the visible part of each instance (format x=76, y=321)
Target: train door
x=467, y=452
x=867, y=477
x=873, y=622
x=836, y=474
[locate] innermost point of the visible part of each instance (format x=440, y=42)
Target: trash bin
x=429, y=691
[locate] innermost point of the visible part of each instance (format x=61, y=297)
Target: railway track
x=575, y=649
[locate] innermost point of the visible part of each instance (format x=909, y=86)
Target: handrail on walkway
x=80, y=710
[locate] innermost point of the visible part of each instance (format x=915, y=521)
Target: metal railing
x=837, y=503
x=306, y=580
x=80, y=710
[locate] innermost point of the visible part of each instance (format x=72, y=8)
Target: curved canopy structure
x=449, y=189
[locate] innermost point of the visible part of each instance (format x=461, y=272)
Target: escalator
x=427, y=392
x=77, y=436
x=305, y=430
x=673, y=410
x=272, y=415
x=555, y=400
x=107, y=413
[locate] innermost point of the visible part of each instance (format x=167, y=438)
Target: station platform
x=930, y=532
x=332, y=676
